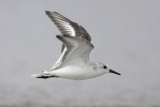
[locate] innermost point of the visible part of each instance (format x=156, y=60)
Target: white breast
x=77, y=73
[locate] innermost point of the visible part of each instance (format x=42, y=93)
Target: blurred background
x=126, y=35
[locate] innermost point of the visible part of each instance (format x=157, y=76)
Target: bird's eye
x=104, y=67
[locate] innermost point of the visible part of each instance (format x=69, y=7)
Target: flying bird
x=74, y=62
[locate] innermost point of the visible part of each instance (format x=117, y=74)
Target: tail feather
x=42, y=75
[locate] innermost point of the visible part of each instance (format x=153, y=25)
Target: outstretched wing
x=67, y=27
x=78, y=49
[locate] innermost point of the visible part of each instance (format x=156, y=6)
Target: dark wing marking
x=67, y=27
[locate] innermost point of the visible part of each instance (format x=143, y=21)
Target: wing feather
x=78, y=49
x=67, y=27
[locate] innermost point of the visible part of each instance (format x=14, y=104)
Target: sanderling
x=74, y=62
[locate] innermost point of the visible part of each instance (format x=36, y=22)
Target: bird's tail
x=42, y=75
x=38, y=75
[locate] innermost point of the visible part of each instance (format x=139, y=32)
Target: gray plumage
x=78, y=49
x=68, y=27
x=74, y=62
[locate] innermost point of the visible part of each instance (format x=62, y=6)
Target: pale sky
x=126, y=36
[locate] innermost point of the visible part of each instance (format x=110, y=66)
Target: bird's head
x=106, y=69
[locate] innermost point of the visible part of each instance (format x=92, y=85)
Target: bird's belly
x=76, y=73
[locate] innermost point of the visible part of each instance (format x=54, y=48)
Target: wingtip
x=50, y=12
x=58, y=36
x=62, y=38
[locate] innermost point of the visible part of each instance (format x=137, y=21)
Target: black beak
x=111, y=71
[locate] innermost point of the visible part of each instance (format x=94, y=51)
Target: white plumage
x=74, y=62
